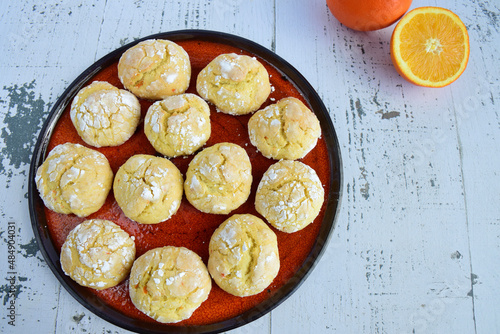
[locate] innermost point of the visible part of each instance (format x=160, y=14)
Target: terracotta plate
x=190, y=228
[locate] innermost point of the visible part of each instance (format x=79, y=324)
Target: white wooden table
x=416, y=248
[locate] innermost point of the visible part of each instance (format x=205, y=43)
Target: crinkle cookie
x=284, y=130
x=74, y=179
x=169, y=283
x=219, y=178
x=104, y=115
x=178, y=125
x=289, y=195
x=154, y=69
x=98, y=254
x=236, y=84
x=244, y=257
x=148, y=189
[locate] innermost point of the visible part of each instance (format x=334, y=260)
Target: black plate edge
x=334, y=197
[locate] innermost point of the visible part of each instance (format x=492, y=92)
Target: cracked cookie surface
x=104, y=115
x=74, y=179
x=148, y=189
x=169, y=283
x=154, y=69
x=178, y=125
x=284, y=130
x=244, y=257
x=235, y=84
x=98, y=254
x=289, y=195
x=219, y=178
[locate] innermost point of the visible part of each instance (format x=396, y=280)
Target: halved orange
x=430, y=46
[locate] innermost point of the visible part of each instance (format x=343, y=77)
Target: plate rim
x=311, y=260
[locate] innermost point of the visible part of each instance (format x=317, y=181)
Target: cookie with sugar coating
x=169, y=283
x=154, y=69
x=104, y=115
x=98, y=254
x=178, y=125
x=244, y=257
x=284, y=130
x=74, y=179
x=236, y=84
x=219, y=178
x=148, y=189
x=289, y=195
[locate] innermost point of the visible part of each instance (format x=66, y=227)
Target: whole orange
x=365, y=15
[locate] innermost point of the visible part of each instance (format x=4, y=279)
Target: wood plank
x=403, y=190
x=53, y=20
x=477, y=123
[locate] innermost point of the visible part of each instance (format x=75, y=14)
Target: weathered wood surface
x=417, y=243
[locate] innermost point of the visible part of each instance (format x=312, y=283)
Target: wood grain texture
x=417, y=241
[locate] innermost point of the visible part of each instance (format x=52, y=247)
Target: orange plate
x=189, y=227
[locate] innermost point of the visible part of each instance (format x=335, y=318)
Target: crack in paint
x=492, y=16
x=359, y=108
x=30, y=249
x=21, y=124
x=365, y=189
x=389, y=114
x=77, y=318
x=8, y=291
x=456, y=255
